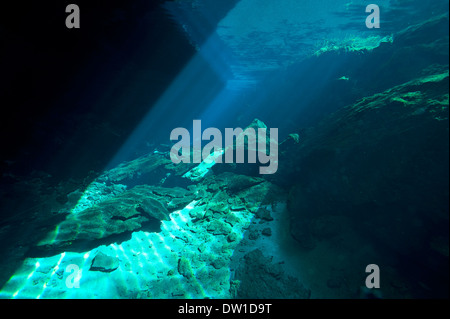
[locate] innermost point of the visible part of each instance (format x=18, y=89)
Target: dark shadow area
x=73, y=96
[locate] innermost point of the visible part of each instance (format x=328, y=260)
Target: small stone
x=197, y=212
x=218, y=263
x=208, y=214
x=232, y=237
x=264, y=214
x=267, y=232
x=184, y=268
x=218, y=227
x=104, y=263
x=232, y=219
x=60, y=273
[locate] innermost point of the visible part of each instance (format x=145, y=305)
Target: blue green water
x=94, y=206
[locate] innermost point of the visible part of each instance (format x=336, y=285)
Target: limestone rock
x=151, y=169
x=104, y=263
x=142, y=206
x=137, y=168
x=218, y=227
x=260, y=278
x=232, y=237
x=264, y=214
x=230, y=182
x=184, y=268
x=219, y=263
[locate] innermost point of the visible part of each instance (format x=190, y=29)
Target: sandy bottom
x=148, y=263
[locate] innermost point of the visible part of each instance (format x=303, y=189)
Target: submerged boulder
x=152, y=169
x=230, y=182
x=143, y=206
x=104, y=263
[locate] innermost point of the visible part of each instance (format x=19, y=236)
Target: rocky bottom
x=235, y=255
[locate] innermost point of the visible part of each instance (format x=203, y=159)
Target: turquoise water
x=93, y=204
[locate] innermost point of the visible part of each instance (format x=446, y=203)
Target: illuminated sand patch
x=148, y=265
